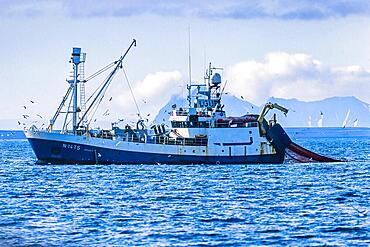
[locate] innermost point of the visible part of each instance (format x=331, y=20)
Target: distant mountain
x=164, y=113
x=330, y=112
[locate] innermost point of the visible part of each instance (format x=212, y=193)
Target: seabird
x=106, y=113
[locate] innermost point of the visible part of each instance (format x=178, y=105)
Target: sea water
x=295, y=204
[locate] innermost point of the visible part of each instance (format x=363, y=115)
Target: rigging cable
x=132, y=93
x=103, y=89
x=96, y=90
x=96, y=74
x=97, y=105
x=91, y=116
x=100, y=71
x=65, y=124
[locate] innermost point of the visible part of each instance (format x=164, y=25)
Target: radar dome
x=216, y=79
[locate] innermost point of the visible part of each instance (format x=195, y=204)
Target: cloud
x=232, y=9
x=293, y=9
x=280, y=75
x=222, y=9
x=298, y=76
x=151, y=93
x=29, y=9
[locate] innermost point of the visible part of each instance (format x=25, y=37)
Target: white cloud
x=298, y=76
x=230, y=9
x=151, y=93
x=280, y=74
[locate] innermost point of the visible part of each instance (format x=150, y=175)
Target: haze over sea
x=194, y=205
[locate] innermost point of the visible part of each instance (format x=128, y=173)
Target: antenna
x=189, y=54
x=189, y=63
x=204, y=59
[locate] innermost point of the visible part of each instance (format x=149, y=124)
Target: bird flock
x=27, y=118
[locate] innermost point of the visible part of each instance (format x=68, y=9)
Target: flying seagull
x=32, y=101
x=110, y=98
x=39, y=115
x=25, y=116
x=106, y=113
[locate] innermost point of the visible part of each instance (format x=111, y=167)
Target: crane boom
x=268, y=106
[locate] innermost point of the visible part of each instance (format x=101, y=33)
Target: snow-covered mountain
x=330, y=112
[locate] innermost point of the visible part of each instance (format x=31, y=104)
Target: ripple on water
x=141, y=205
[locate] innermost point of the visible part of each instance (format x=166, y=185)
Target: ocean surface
x=311, y=204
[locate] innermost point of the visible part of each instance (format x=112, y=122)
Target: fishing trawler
x=200, y=132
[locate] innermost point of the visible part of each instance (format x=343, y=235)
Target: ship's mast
x=100, y=94
x=76, y=60
x=77, y=77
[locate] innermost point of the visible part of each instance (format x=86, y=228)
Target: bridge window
x=188, y=124
x=252, y=124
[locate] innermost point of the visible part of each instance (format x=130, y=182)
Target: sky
x=309, y=50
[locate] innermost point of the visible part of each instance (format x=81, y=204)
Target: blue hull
x=51, y=151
